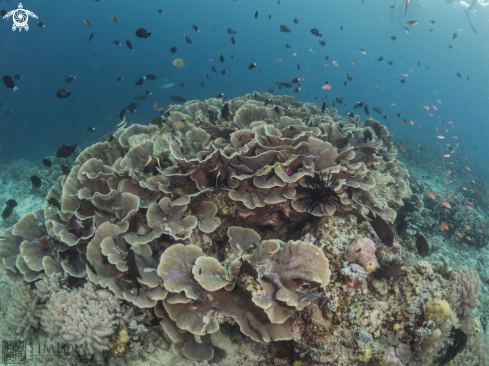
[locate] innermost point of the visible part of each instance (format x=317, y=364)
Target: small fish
x=161, y=12
x=65, y=169
x=402, y=81
x=90, y=38
x=412, y=22
x=54, y=202
x=150, y=77
x=69, y=79
x=315, y=32
x=322, y=43
x=380, y=58
x=8, y=210
x=326, y=86
x=296, y=21
x=365, y=109
x=91, y=129
x=62, y=93
x=284, y=29
x=36, y=181
x=195, y=28
x=335, y=63
x=362, y=51
x=87, y=23
x=167, y=86
x=323, y=107
x=407, y=30
x=393, y=38
x=116, y=42
x=9, y=83
x=114, y=19
x=223, y=72
x=41, y=25
x=181, y=85
x=132, y=268
x=47, y=162
x=390, y=62
x=233, y=41
x=446, y=204
x=431, y=30
x=454, y=36
x=270, y=90
x=231, y=31
x=122, y=124
x=377, y=110
x=256, y=14
x=431, y=195
x=296, y=90
x=432, y=22
x=225, y=111
x=142, y=33
x=140, y=81
x=252, y=66
x=221, y=58
x=129, y=45
x=178, y=99
x=407, y=5
x=178, y=62
x=173, y=49
x=188, y=40
x=279, y=59
x=132, y=107
x=269, y=16
x=458, y=74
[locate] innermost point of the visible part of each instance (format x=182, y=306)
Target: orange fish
x=453, y=137
x=455, y=251
x=403, y=149
x=439, y=101
x=446, y=181
x=446, y=204
x=434, y=107
x=326, y=65
x=459, y=234
x=446, y=155
x=469, y=207
x=353, y=63
x=335, y=63
x=467, y=168
x=443, y=227
x=464, y=188
x=327, y=87
x=440, y=136
x=431, y=195
x=426, y=107
x=404, y=74
x=279, y=59
x=412, y=122
x=465, y=245
x=418, y=134
x=473, y=181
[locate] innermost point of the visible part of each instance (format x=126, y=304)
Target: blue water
x=40, y=122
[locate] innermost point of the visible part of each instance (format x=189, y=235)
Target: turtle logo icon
x=20, y=17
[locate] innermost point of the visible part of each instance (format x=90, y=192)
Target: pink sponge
x=362, y=252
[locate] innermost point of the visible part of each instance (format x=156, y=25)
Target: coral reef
x=274, y=225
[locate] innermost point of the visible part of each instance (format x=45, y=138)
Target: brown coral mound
x=257, y=167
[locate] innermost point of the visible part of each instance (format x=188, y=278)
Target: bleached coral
x=20, y=316
x=466, y=287
x=48, y=285
x=84, y=317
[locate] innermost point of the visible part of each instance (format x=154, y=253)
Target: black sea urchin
x=319, y=193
